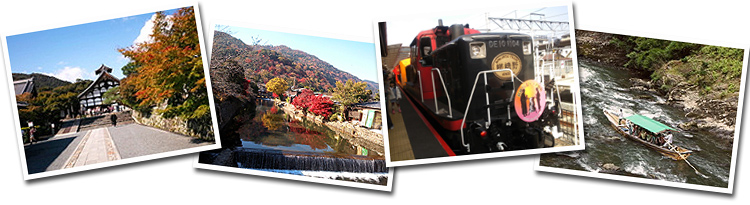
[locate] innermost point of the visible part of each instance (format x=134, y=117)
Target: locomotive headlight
x=477, y=50
x=527, y=48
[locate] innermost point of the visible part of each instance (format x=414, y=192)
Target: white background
x=173, y=180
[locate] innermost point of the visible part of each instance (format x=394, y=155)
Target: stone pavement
x=96, y=147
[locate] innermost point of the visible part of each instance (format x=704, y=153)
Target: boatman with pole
x=667, y=139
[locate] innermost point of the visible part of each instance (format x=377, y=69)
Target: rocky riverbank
x=596, y=48
x=707, y=112
x=712, y=110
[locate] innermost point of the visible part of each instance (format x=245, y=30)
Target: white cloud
x=122, y=58
x=147, y=30
x=70, y=74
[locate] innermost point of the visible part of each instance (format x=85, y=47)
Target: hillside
x=41, y=81
x=372, y=85
x=263, y=62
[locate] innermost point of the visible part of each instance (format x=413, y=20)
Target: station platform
x=412, y=135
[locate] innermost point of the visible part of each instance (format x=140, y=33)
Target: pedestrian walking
x=394, y=95
x=31, y=135
x=113, y=118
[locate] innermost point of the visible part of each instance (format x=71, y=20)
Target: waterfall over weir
x=283, y=160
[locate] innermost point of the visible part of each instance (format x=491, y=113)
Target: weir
x=284, y=160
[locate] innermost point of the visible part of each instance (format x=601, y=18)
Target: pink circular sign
x=529, y=101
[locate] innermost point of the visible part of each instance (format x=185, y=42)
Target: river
x=609, y=88
x=274, y=135
x=272, y=129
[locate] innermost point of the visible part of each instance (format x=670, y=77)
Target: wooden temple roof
x=104, y=75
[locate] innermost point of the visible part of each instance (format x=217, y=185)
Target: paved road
x=135, y=140
x=52, y=153
x=123, y=141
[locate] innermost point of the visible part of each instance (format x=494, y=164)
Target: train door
x=423, y=64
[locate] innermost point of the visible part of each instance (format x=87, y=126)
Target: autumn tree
x=277, y=86
x=351, y=92
x=322, y=106
x=302, y=101
x=168, y=68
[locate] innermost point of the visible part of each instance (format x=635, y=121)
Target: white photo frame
x=575, y=89
x=116, y=15
x=743, y=83
x=197, y=164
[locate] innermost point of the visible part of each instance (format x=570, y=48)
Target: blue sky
x=403, y=29
x=357, y=58
x=73, y=52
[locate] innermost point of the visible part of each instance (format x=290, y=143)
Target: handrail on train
x=473, y=88
x=421, y=94
x=434, y=93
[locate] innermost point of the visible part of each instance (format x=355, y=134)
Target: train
x=481, y=88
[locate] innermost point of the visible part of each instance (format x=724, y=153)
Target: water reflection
x=273, y=129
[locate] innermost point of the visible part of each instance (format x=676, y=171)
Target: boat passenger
x=630, y=127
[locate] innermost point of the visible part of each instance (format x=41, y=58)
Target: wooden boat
x=620, y=124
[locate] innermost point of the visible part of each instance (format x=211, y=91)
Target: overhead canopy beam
x=529, y=25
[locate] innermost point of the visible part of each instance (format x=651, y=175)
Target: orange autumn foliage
x=169, y=68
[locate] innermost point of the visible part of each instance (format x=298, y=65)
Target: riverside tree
x=322, y=106
x=351, y=92
x=277, y=86
x=303, y=100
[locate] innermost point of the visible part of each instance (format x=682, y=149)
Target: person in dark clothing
x=113, y=118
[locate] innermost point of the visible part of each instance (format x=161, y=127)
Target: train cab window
x=425, y=45
x=425, y=48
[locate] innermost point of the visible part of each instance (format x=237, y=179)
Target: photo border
x=388, y=187
x=575, y=89
x=115, y=15
x=738, y=121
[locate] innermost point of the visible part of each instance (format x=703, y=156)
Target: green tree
x=130, y=68
x=277, y=86
x=351, y=92
x=649, y=53
x=112, y=95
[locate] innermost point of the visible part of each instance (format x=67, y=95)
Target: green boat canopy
x=648, y=123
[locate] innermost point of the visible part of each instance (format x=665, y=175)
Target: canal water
x=273, y=140
x=608, y=88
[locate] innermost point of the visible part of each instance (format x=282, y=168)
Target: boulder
x=610, y=166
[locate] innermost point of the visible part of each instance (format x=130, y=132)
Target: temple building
x=24, y=86
x=91, y=99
